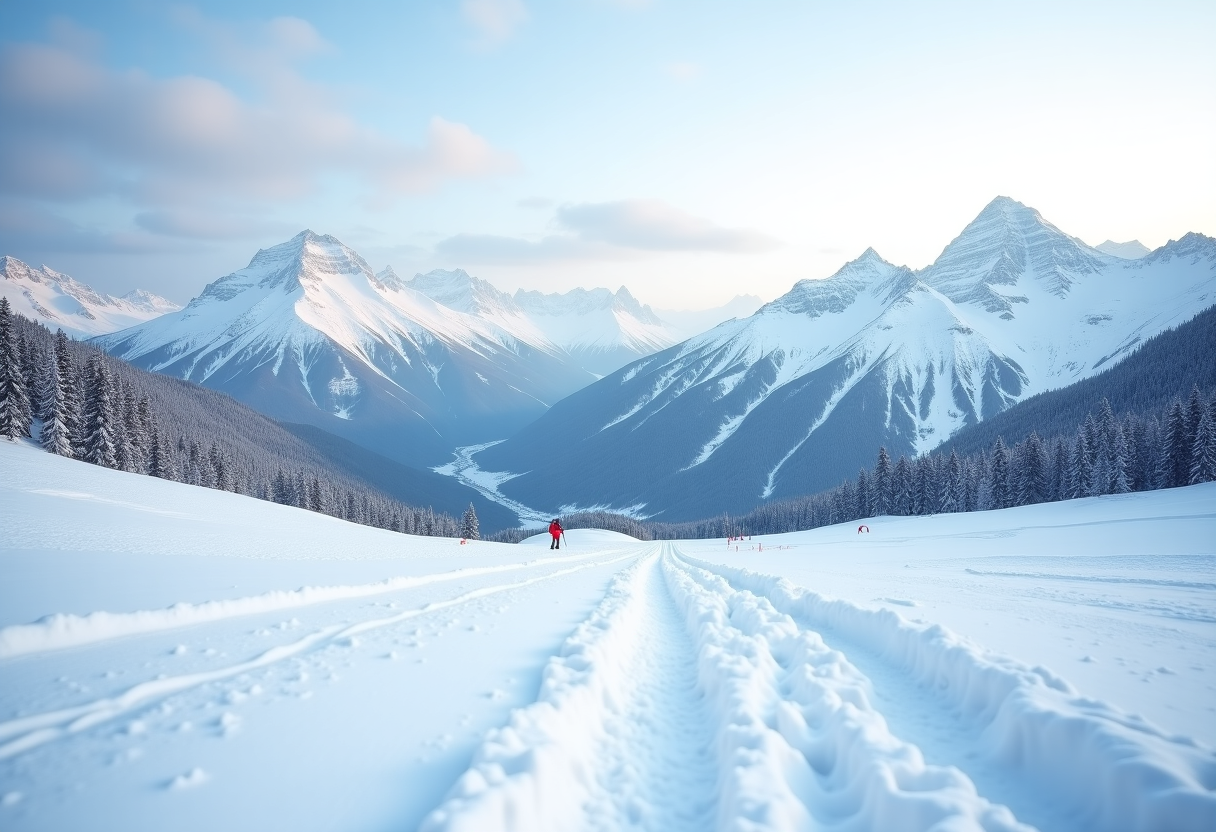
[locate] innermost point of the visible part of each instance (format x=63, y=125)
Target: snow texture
x=932, y=675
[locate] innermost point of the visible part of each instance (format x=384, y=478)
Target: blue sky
x=689, y=150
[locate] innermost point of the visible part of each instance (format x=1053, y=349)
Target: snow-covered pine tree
x=1034, y=472
x=124, y=446
x=16, y=414
x=1119, y=483
x=1058, y=479
x=1080, y=470
x=1195, y=405
x=952, y=490
x=222, y=474
x=998, y=475
x=469, y=528
x=57, y=418
x=864, y=500
x=922, y=486
x=880, y=489
x=99, y=417
x=1174, y=468
x=901, y=488
x=1203, y=450
x=43, y=391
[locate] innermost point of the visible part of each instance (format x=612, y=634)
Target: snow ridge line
x=1116, y=772
x=37, y=729
x=63, y=630
x=800, y=746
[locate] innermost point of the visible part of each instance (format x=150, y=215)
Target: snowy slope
x=801, y=394
x=318, y=675
x=308, y=333
x=59, y=302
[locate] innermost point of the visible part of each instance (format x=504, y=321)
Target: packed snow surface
x=180, y=658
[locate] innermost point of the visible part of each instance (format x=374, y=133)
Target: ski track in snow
x=1022, y=733
x=752, y=723
x=56, y=632
x=701, y=696
x=27, y=732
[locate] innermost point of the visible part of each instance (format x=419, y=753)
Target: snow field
x=59, y=631
x=613, y=685
x=1110, y=770
x=21, y=734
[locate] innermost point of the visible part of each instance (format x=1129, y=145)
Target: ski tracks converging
x=702, y=697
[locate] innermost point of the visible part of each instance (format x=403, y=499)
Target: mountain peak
x=457, y=289
x=143, y=299
x=1006, y=241
x=56, y=300
x=388, y=279
x=1131, y=250
x=838, y=292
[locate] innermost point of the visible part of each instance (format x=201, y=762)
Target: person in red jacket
x=555, y=529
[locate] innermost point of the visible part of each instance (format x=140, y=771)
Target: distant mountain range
x=59, y=302
x=799, y=396
x=599, y=330
x=307, y=333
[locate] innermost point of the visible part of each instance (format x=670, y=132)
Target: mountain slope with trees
x=80, y=402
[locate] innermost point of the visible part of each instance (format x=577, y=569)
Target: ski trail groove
x=1081, y=763
x=681, y=703
x=802, y=748
x=618, y=738
x=22, y=734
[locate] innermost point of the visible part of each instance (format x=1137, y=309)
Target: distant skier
x=555, y=529
x=863, y=528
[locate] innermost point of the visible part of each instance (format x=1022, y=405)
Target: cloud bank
x=75, y=129
x=622, y=229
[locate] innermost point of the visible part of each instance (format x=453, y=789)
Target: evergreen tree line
x=1168, y=448
x=81, y=403
x=1107, y=455
x=1144, y=382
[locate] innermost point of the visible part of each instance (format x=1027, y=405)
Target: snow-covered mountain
x=690, y=322
x=600, y=330
x=1131, y=250
x=59, y=302
x=308, y=333
x=801, y=394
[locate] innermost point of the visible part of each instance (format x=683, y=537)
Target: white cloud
x=627, y=229
x=494, y=20
x=75, y=128
x=654, y=225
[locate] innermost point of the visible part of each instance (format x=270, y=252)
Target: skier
x=863, y=528
x=555, y=529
